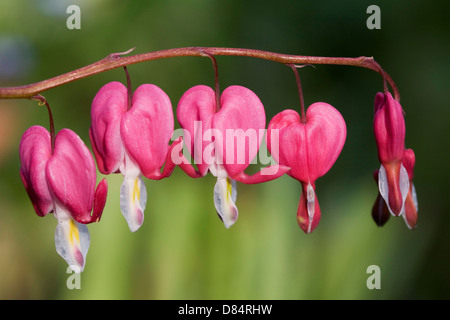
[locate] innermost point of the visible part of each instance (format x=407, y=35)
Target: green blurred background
x=183, y=251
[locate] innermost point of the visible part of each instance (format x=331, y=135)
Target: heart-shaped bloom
x=224, y=141
x=63, y=183
x=132, y=141
x=310, y=149
x=389, y=130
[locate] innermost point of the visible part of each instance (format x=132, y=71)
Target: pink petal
x=411, y=202
x=266, y=174
x=98, y=157
x=389, y=130
x=34, y=151
x=99, y=200
x=107, y=110
x=380, y=98
x=179, y=159
x=241, y=120
x=308, y=212
x=326, y=133
x=291, y=143
x=71, y=175
x=411, y=208
x=408, y=161
x=393, y=184
x=147, y=128
x=169, y=165
x=195, y=110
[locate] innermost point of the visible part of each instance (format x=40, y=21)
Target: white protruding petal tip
x=414, y=196
x=225, y=194
x=311, y=204
x=133, y=199
x=383, y=185
x=72, y=241
x=404, y=184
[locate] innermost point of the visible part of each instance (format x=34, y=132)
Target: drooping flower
x=63, y=182
x=389, y=130
x=224, y=141
x=133, y=141
x=310, y=148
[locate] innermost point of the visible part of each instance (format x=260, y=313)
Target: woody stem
x=116, y=60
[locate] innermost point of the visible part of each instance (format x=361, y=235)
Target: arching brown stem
x=116, y=60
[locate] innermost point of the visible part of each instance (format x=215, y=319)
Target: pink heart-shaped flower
x=242, y=121
x=147, y=128
x=224, y=140
x=309, y=148
x=235, y=128
x=63, y=182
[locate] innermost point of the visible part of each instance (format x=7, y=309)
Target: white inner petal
x=383, y=185
x=133, y=199
x=311, y=204
x=129, y=168
x=414, y=197
x=213, y=168
x=72, y=241
x=225, y=194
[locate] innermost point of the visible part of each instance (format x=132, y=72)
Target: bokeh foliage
x=183, y=251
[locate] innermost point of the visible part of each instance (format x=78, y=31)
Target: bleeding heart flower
x=389, y=129
x=216, y=137
x=133, y=141
x=63, y=183
x=309, y=148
